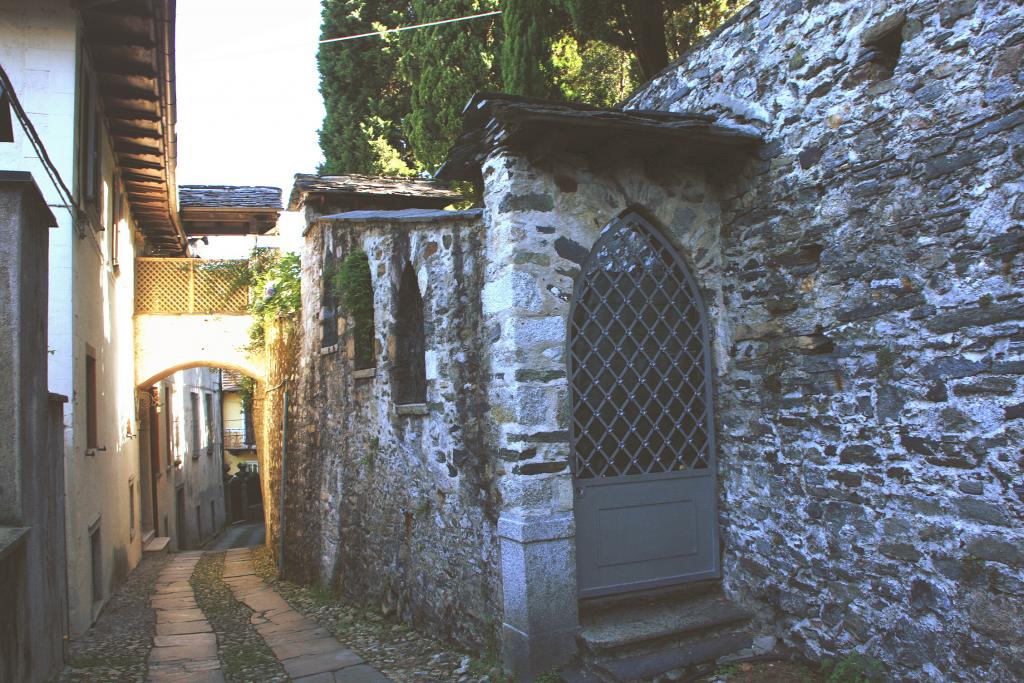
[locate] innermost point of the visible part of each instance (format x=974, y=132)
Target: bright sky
x=249, y=103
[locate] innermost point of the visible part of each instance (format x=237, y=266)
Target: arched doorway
x=642, y=429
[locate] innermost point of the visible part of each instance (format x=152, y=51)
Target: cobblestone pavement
x=308, y=652
x=243, y=652
x=212, y=617
x=116, y=647
x=185, y=647
x=396, y=650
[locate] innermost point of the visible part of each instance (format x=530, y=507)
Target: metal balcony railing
x=235, y=436
x=185, y=285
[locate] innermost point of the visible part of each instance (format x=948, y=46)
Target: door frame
x=652, y=226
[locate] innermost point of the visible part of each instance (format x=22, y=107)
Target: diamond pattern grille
x=637, y=359
x=182, y=285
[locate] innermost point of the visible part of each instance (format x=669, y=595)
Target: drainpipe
x=284, y=479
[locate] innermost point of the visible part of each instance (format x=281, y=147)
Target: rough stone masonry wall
x=400, y=509
x=542, y=222
x=871, y=403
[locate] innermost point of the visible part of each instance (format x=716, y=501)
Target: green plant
x=854, y=668
x=352, y=285
x=274, y=281
x=372, y=450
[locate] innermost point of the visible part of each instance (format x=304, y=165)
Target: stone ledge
x=411, y=409
x=327, y=350
x=365, y=373
x=532, y=529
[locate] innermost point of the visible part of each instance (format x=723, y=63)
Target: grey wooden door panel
x=642, y=429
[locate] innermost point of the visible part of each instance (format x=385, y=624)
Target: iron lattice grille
x=638, y=359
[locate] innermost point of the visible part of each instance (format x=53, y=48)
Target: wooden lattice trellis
x=183, y=285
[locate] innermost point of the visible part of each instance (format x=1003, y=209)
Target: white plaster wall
x=167, y=343
x=90, y=303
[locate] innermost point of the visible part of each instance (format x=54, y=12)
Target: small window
x=91, y=407
x=409, y=375
x=119, y=214
x=169, y=424
x=90, y=153
x=208, y=415
x=328, y=302
x=353, y=288
x=131, y=509
x=195, y=444
x=96, y=552
x=881, y=48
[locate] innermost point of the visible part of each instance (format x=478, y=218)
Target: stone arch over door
x=642, y=427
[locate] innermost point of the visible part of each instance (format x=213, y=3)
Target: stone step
x=646, y=625
x=156, y=545
x=685, y=659
x=147, y=536
x=594, y=608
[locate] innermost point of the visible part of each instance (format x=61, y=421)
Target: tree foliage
x=394, y=103
x=444, y=66
x=364, y=96
x=526, y=67
x=652, y=30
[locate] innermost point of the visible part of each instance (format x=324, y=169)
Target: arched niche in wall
x=409, y=374
x=328, y=299
x=354, y=287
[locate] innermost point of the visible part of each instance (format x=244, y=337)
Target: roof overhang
x=360, y=192
x=542, y=129
x=229, y=209
x=131, y=43
x=202, y=221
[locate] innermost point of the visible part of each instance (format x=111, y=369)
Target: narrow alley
x=221, y=615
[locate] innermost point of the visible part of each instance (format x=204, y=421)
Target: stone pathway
x=185, y=647
x=308, y=652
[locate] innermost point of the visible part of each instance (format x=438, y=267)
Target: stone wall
x=871, y=350
x=394, y=506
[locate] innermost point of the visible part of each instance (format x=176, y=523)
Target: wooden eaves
x=131, y=43
x=542, y=129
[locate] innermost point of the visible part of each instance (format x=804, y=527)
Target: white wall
x=198, y=472
x=90, y=303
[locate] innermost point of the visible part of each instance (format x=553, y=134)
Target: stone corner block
x=540, y=611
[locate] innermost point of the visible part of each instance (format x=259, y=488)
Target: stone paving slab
x=298, y=667
x=306, y=651
x=185, y=647
x=196, y=639
x=183, y=628
x=361, y=673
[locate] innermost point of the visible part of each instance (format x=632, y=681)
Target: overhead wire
x=409, y=28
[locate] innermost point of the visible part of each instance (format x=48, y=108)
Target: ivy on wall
x=274, y=283
x=353, y=288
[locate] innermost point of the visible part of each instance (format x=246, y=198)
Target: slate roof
x=544, y=128
x=229, y=197
x=368, y=186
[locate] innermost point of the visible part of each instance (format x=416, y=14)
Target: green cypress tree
x=653, y=30
x=363, y=95
x=529, y=28
x=444, y=66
